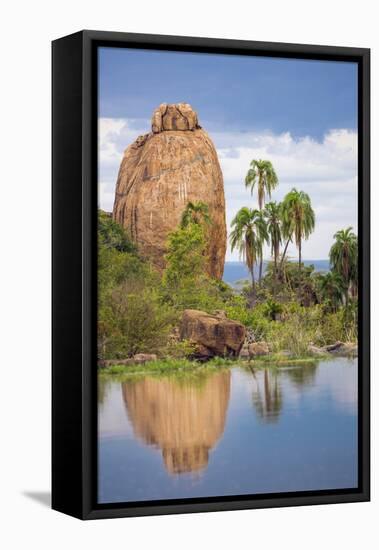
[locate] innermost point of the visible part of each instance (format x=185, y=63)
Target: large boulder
x=214, y=335
x=160, y=173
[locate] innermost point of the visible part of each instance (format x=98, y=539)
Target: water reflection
x=267, y=395
x=185, y=420
x=271, y=430
x=303, y=376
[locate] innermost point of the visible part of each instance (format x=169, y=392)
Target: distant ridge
x=237, y=271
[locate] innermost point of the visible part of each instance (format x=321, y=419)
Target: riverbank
x=186, y=366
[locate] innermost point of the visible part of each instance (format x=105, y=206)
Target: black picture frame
x=74, y=205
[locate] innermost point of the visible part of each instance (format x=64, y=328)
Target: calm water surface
x=230, y=432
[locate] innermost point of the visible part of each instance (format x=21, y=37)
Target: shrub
x=133, y=320
x=272, y=309
x=179, y=349
x=111, y=235
x=185, y=283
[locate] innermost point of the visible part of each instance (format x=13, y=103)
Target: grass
x=186, y=368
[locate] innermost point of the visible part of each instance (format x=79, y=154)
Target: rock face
x=160, y=173
x=212, y=334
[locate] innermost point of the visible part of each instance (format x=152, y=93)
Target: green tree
x=111, y=235
x=185, y=253
x=272, y=213
x=331, y=288
x=185, y=283
x=343, y=257
x=298, y=219
x=131, y=317
x=262, y=175
x=248, y=235
x=195, y=212
x=272, y=309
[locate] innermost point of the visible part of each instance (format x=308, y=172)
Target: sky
x=299, y=114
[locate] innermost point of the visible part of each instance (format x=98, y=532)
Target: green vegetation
x=272, y=214
x=290, y=308
x=187, y=368
x=167, y=366
x=298, y=218
x=249, y=235
x=262, y=175
x=196, y=213
x=344, y=260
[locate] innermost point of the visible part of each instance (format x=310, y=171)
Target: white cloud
x=326, y=170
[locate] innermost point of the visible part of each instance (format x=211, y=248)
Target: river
x=231, y=432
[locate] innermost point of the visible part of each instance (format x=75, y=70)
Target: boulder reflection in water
x=183, y=419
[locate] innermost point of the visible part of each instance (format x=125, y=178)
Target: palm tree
x=344, y=258
x=195, y=212
x=264, y=239
x=262, y=175
x=298, y=219
x=272, y=214
x=248, y=235
x=332, y=287
x=287, y=231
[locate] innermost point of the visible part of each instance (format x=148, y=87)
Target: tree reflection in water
x=303, y=376
x=182, y=418
x=267, y=394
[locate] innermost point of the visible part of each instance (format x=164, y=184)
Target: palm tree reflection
x=267, y=395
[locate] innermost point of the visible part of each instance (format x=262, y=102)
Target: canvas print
x=227, y=275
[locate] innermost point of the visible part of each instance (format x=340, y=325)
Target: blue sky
x=301, y=114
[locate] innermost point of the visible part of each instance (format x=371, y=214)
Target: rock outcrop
x=344, y=349
x=160, y=173
x=257, y=349
x=214, y=335
x=254, y=349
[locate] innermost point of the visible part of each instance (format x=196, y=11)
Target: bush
x=179, y=349
x=350, y=321
x=133, y=320
x=272, y=309
x=294, y=335
x=185, y=285
x=111, y=235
